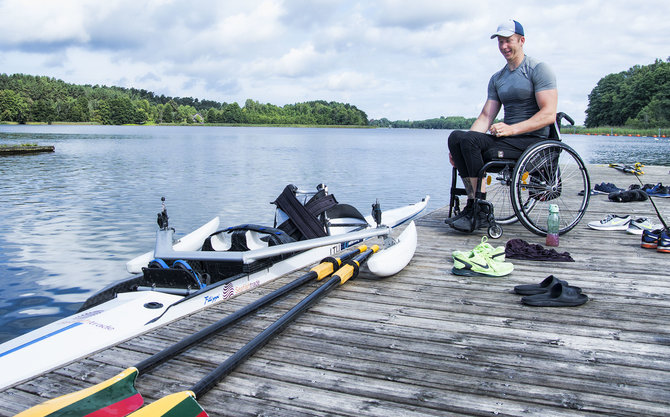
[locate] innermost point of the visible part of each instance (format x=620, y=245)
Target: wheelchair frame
x=526, y=188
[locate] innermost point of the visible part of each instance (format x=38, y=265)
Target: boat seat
x=345, y=210
x=245, y=237
x=303, y=222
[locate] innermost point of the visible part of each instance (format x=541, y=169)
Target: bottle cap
x=553, y=208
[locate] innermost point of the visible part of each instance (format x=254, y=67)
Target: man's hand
x=502, y=129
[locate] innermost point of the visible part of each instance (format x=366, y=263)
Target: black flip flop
x=559, y=296
x=542, y=287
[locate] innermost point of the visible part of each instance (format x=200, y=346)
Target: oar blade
x=180, y=404
x=116, y=396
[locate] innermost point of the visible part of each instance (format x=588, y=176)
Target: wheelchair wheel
x=495, y=231
x=549, y=172
x=498, y=193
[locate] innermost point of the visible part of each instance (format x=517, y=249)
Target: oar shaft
x=651, y=200
x=325, y=268
x=257, y=342
x=262, y=338
x=232, y=318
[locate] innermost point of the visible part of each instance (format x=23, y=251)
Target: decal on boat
x=39, y=339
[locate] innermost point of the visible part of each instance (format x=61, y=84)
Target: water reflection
x=72, y=219
x=621, y=149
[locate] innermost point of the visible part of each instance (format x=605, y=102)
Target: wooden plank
x=24, y=149
x=426, y=342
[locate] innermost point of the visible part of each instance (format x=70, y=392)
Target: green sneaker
x=487, y=250
x=475, y=264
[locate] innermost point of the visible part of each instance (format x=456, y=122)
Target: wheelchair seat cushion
x=499, y=153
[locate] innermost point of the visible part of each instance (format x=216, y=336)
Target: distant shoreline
x=188, y=124
x=27, y=148
x=578, y=130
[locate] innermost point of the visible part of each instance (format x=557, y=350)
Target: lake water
x=70, y=220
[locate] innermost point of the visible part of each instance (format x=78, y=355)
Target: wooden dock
x=429, y=343
x=25, y=149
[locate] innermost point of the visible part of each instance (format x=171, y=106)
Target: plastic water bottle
x=553, y=220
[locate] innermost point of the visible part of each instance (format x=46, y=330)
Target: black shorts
x=470, y=150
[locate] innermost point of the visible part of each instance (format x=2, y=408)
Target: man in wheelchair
x=526, y=88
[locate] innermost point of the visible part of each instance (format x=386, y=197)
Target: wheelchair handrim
x=553, y=184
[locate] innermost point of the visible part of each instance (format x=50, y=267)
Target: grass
x=617, y=131
x=19, y=145
x=580, y=130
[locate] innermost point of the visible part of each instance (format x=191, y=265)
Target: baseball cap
x=508, y=28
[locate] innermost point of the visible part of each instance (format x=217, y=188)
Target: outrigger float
x=208, y=266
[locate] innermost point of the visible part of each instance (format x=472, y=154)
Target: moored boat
x=207, y=268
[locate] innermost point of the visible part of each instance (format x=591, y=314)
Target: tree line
x=28, y=98
x=638, y=98
x=450, y=122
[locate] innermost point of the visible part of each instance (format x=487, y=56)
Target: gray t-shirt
x=516, y=90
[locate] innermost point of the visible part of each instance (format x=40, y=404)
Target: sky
x=403, y=60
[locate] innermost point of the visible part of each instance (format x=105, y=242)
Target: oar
x=184, y=404
x=651, y=200
x=630, y=169
x=118, y=396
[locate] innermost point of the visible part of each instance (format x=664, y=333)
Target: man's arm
x=547, y=100
x=487, y=116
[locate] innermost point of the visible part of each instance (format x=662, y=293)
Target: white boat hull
x=393, y=259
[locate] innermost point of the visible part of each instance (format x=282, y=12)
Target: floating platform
x=428, y=343
x=22, y=150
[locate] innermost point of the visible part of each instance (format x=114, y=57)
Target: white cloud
x=303, y=60
x=390, y=58
x=240, y=29
x=26, y=22
x=420, y=13
x=351, y=81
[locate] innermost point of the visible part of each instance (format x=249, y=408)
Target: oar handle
x=352, y=267
x=316, y=272
x=330, y=264
x=339, y=277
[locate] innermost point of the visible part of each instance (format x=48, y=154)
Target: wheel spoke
x=549, y=173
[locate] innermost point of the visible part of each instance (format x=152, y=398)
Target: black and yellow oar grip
x=330, y=264
x=350, y=270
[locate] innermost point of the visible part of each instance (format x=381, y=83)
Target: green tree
x=43, y=110
x=27, y=97
x=634, y=97
x=212, y=116
x=186, y=114
x=232, y=113
x=168, y=113
x=102, y=114
x=11, y=105
x=143, y=111
x=121, y=110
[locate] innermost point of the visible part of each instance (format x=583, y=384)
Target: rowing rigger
x=140, y=303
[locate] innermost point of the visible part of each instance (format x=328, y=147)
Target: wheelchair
x=522, y=188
